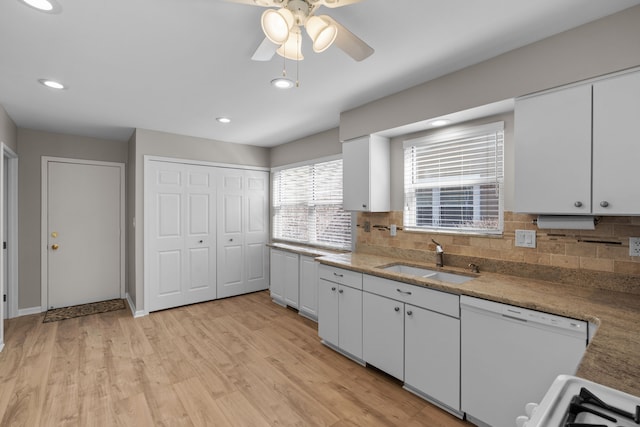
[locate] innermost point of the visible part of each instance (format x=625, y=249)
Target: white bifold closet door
x=182, y=234
x=243, y=231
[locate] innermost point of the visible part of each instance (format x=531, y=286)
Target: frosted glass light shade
x=322, y=32
x=292, y=48
x=276, y=24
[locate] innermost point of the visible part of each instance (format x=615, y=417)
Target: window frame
x=312, y=221
x=411, y=217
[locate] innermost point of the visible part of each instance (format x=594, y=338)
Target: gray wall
x=162, y=144
x=322, y=144
x=8, y=130
x=600, y=47
x=31, y=146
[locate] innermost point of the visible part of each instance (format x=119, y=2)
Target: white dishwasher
x=510, y=357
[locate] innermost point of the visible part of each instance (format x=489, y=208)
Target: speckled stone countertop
x=303, y=250
x=612, y=357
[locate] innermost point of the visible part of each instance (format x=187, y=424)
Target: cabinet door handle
x=338, y=275
x=364, y=206
x=409, y=313
x=604, y=203
x=403, y=292
x=396, y=308
x=341, y=290
x=333, y=289
x=578, y=204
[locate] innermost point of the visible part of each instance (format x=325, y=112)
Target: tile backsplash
x=597, y=257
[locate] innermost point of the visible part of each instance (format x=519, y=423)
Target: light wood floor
x=241, y=361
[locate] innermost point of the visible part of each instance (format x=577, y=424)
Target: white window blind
x=307, y=205
x=454, y=181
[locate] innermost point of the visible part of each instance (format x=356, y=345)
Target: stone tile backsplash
x=598, y=258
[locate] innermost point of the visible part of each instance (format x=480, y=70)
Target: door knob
x=55, y=246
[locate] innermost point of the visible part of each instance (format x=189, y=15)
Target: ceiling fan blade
x=339, y=3
x=351, y=44
x=265, y=51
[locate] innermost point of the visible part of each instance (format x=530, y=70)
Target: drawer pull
x=397, y=308
x=338, y=275
x=403, y=292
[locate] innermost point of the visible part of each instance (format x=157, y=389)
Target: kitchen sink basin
x=453, y=278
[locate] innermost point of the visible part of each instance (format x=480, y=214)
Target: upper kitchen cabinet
x=576, y=149
x=616, y=148
x=366, y=174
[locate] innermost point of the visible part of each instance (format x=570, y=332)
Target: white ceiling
x=176, y=65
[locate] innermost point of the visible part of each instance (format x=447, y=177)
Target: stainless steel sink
x=456, y=279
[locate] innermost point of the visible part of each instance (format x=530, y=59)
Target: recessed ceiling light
x=52, y=84
x=440, y=122
x=50, y=6
x=282, y=83
x=224, y=120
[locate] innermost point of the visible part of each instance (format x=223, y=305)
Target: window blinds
x=307, y=205
x=454, y=181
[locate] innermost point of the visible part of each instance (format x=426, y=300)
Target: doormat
x=64, y=313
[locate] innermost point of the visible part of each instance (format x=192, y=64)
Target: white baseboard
x=29, y=311
x=138, y=313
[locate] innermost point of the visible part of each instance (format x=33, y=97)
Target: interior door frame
x=12, y=233
x=44, y=237
x=147, y=211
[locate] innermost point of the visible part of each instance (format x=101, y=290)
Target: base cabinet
x=432, y=355
x=284, y=277
x=383, y=334
x=340, y=309
x=308, y=306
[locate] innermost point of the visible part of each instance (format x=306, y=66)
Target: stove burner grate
x=596, y=407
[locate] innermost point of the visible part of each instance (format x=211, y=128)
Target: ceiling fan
x=282, y=28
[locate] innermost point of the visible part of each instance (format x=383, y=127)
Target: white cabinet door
x=291, y=279
x=277, y=276
x=383, y=334
x=328, y=312
x=350, y=319
x=366, y=174
x=432, y=355
x=616, y=145
x=308, y=287
x=553, y=152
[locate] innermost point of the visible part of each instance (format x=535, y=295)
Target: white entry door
x=84, y=210
x=5, y=233
x=243, y=231
x=181, y=234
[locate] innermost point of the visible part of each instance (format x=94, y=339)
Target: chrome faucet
x=439, y=254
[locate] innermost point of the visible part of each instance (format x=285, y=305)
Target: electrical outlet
x=634, y=246
x=393, y=230
x=526, y=238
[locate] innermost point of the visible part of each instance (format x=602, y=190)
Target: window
x=454, y=181
x=307, y=205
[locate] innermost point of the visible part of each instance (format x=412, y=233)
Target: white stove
x=576, y=402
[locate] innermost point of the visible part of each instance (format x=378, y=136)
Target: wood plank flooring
x=241, y=361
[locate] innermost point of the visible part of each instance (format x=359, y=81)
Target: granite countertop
x=303, y=250
x=613, y=355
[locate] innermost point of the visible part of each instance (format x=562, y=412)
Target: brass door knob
x=55, y=247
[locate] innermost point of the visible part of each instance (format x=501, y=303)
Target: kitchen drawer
x=340, y=275
x=431, y=299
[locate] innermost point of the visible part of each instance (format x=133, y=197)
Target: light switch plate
x=634, y=246
x=526, y=238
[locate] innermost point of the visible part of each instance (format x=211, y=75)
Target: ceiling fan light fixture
x=276, y=24
x=40, y=4
x=322, y=32
x=292, y=48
